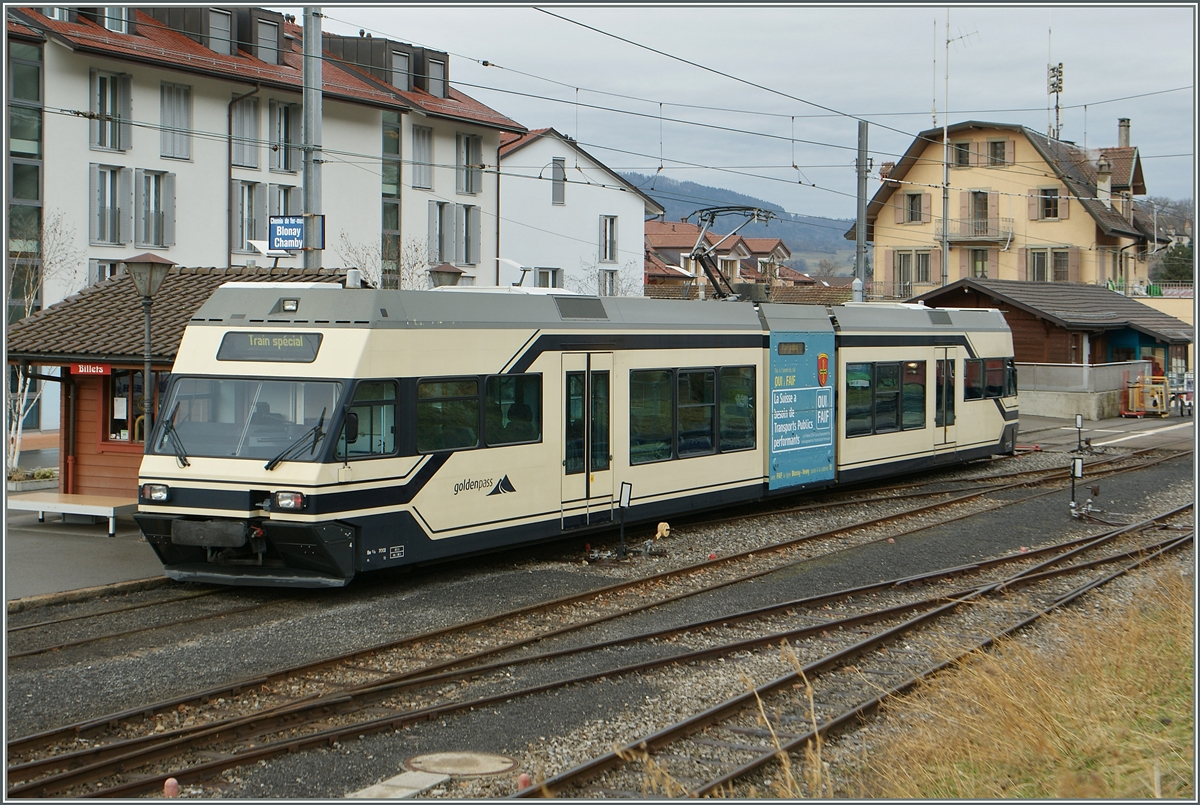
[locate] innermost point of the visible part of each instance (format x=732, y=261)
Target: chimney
x=1123, y=132
x=1104, y=181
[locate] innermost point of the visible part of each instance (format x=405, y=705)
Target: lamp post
x=148, y=272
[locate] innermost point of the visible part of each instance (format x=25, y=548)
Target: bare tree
x=825, y=268
x=408, y=270
x=628, y=280
x=48, y=256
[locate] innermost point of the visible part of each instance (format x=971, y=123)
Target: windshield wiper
x=176, y=445
x=294, y=448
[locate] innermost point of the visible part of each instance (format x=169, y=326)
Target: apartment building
x=1022, y=206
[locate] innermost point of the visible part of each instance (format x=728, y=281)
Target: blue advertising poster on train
x=800, y=442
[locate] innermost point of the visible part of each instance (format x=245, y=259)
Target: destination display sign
x=274, y=347
x=800, y=424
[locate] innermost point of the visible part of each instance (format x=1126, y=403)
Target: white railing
x=1083, y=377
x=975, y=228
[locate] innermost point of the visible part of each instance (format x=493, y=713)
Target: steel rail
x=114, y=611
x=690, y=656
x=723, y=710
x=92, y=726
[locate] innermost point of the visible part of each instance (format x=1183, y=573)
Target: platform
x=59, y=503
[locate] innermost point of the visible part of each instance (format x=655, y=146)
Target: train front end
x=229, y=490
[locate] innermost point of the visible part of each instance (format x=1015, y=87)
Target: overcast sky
x=748, y=106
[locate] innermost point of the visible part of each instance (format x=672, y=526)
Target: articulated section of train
x=309, y=434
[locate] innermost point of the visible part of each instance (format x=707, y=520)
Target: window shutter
x=168, y=207
x=274, y=152
x=600, y=248
x=475, y=222
x=295, y=200
x=183, y=119
x=889, y=268
x=1011, y=153
x=273, y=199
x=295, y=122
x=994, y=213
x=476, y=159
x=1073, y=264
x=615, y=241
x=926, y=208
x=898, y=200
x=460, y=232
x=963, y=267
x=126, y=136
x=994, y=264
x=964, y=209
x=94, y=204
x=1022, y=264
x=125, y=202
x=166, y=115
x=976, y=153
x=431, y=235
x=459, y=162
x=935, y=266
x=234, y=214
x=139, y=219
x=94, y=106
x=1064, y=206
x=260, y=211
x=1034, y=201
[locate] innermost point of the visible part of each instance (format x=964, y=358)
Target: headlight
x=289, y=501
x=156, y=493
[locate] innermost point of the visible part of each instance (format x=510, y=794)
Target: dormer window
x=401, y=71
x=60, y=13
x=267, y=35
x=116, y=18
x=436, y=71
x=220, y=32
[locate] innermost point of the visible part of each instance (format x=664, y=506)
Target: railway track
x=321, y=702
x=715, y=751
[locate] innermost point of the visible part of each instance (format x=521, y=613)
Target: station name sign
x=91, y=369
x=286, y=232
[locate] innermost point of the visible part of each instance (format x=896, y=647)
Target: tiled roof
x=1075, y=305
x=105, y=322
x=682, y=235
x=17, y=29
x=1126, y=168
x=766, y=245
x=809, y=295
x=155, y=44
x=655, y=265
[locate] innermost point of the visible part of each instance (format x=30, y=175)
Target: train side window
x=858, y=399
x=912, y=396
x=973, y=379
x=697, y=409
x=447, y=414
x=887, y=397
x=996, y=380
x=737, y=408
x=651, y=414
x=375, y=405
x=512, y=409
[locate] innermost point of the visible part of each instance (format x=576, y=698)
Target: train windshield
x=221, y=417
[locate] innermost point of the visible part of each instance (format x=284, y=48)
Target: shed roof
x=105, y=322
x=1074, y=306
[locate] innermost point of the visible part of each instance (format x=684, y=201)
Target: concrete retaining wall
x=1066, y=404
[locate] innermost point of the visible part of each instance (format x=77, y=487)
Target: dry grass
x=1108, y=713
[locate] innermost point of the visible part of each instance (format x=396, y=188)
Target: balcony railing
x=152, y=232
x=108, y=225
x=981, y=229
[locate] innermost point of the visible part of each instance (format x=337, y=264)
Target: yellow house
x=1021, y=206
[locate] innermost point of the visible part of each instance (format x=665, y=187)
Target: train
x=312, y=432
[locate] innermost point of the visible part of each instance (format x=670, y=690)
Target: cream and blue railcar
x=313, y=433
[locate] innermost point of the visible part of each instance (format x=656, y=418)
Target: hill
x=803, y=234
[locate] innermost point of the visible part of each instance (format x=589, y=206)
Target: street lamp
x=148, y=272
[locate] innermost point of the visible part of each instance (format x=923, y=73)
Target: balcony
x=975, y=229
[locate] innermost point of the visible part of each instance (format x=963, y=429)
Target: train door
x=587, y=479
x=944, y=395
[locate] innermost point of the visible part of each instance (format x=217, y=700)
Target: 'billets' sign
x=281, y=347
x=286, y=232
x=91, y=369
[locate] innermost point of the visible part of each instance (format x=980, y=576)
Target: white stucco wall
x=535, y=232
